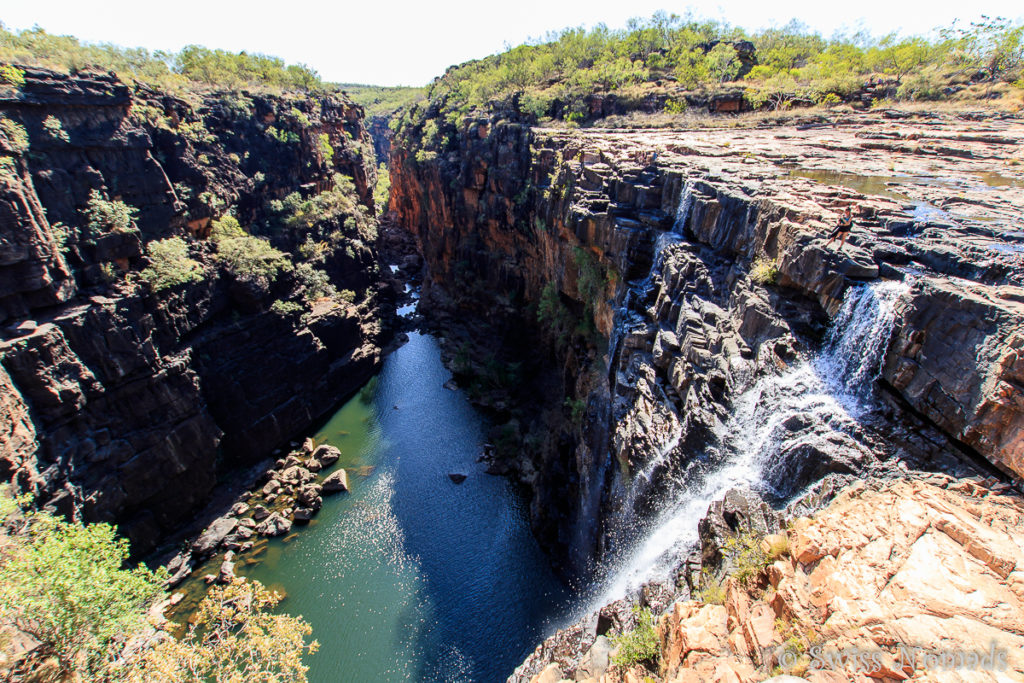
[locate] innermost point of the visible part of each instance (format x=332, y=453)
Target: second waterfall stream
x=833, y=386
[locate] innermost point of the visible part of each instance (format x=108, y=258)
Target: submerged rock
x=457, y=477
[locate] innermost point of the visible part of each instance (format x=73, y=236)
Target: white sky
x=408, y=42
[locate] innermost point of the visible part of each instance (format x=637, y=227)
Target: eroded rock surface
x=700, y=263
x=883, y=584
x=122, y=405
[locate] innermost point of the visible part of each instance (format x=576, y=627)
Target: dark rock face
x=650, y=240
x=125, y=406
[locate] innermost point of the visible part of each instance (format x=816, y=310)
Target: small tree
x=234, y=639
x=66, y=587
x=104, y=216
x=169, y=264
x=252, y=257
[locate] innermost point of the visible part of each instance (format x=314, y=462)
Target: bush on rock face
x=170, y=265
x=251, y=257
x=109, y=216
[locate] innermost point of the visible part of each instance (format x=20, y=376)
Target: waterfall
x=833, y=386
x=624, y=317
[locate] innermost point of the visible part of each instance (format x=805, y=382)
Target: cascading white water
x=624, y=317
x=833, y=386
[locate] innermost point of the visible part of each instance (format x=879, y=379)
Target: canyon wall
x=659, y=275
x=123, y=404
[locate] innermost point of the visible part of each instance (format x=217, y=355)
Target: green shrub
x=326, y=151
x=225, y=227
x=299, y=116
x=285, y=137
x=577, y=408
x=106, y=216
x=8, y=168
x=251, y=257
x=676, y=106
x=747, y=555
x=196, y=132
x=347, y=295
x=64, y=585
x=764, y=271
x=711, y=590
x=831, y=100
x=282, y=307
x=235, y=635
x=382, y=190
x=640, y=645
x=316, y=283
x=170, y=265
x=12, y=75
x=15, y=134
x=55, y=128
x=212, y=200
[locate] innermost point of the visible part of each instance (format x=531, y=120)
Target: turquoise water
x=409, y=576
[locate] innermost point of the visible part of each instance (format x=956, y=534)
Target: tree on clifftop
x=234, y=639
x=63, y=584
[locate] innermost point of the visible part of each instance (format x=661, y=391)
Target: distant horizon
x=418, y=43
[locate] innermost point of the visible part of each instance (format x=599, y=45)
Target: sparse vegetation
x=382, y=190
x=170, y=265
x=382, y=101
x=711, y=591
x=11, y=75
x=577, y=408
x=316, y=284
x=764, y=271
x=326, y=151
x=640, y=645
x=235, y=636
x=14, y=134
x=55, y=128
x=747, y=556
x=194, y=66
x=104, y=215
x=283, y=307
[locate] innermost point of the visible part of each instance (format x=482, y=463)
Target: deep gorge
x=629, y=310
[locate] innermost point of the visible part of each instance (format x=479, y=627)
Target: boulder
x=296, y=475
x=813, y=454
x=457, y=477
x=271, y=487
x=239, y=509
x=274, y=525
x=336, y=481
x=309, y=496
x=227, y=569
x=303, y=515
x=739, y=511
x=213, y=535
x=308, y=446
x=596, y=660
x=326, y=455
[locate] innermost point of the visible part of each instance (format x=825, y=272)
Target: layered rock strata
x=125, y=405
x=673, y=269
x=898, y=580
